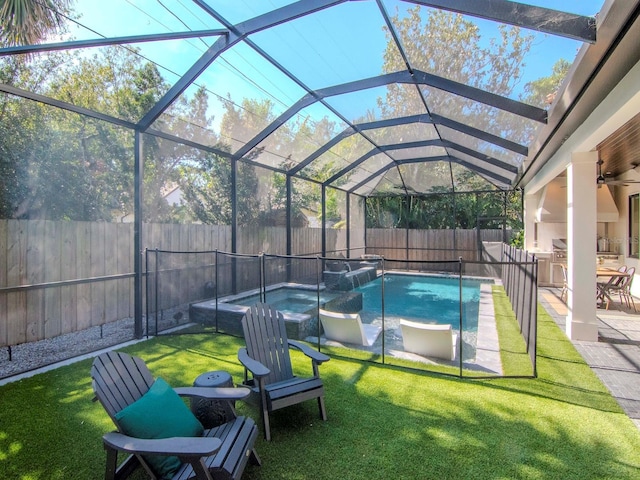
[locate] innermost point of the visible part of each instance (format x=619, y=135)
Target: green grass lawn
x=384, y=421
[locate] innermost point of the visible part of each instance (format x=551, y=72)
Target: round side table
x=212, y=413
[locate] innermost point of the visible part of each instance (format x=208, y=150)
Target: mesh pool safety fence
x=389, y=295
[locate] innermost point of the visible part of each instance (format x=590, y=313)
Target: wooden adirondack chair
x=266, y=356
x=221, y=453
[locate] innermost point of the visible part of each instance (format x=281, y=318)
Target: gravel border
x=30, y=356
x=33, y=355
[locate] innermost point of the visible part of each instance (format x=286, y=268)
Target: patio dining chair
x=604, y=290
x=565, y=283
x=158, y=432
x=623, y=288
x=621, y=280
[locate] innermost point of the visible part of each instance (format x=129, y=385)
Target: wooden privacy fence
x=428, y=245
x=61, y=277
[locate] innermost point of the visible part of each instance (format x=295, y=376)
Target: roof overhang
x=596, y=72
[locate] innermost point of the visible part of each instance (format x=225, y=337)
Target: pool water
x=427, y=298
x=422, y=298
x=290, y=300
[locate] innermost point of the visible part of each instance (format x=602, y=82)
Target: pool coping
x=487, y=342
x=275, y=286
x=487, y=355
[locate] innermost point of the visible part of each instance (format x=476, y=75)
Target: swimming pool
x=423, y=298
x=427, y=298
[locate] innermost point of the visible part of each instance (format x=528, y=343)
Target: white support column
x=582, y=323
x=530, y=208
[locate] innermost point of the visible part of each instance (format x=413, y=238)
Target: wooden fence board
x=38, y=252
x=52, y=269
x=182, y=263
x=154, y=238
x=241, y=243
x=224, y=239
x=183, y=237
x=340, y=240
x=35, y=275
x=306, y=241
x=97, y=269
x=110, y=268
x=124, y=264
x=378, y=241
x=3, y=283
x=169, y=238
x=83, y=270
x=210, y=260
x=16, y=275
x=357, y=239
x=269, y=239
x=68, y=271
x=195, y=274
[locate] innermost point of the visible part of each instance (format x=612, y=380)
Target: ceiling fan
x=608, y=179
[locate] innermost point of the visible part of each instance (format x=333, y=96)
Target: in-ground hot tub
x=298, y=304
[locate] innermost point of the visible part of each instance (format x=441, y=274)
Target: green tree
x=448, y=45
x=25, y=22
x=261, y=193
x=25, y=134
x=274, y=209
x=119, y=83
x=206, y=184
x=446, y=210
x=67, y=166
x=541, y=92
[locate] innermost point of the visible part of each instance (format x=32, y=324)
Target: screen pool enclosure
x=316, y=105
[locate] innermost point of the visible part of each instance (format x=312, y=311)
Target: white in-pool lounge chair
x=429, y=340
x=348, y=328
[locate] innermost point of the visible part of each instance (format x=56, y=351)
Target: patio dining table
x=607, y=278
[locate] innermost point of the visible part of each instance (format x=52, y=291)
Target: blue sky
x=306, y=45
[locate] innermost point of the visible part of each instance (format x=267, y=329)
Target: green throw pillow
x=159, y=413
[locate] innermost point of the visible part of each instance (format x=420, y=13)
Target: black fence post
x=382, y=267
x=318, y=278
x=263, y=283
x=534, y=334
x=216, y=289
x=146, y=300
x=461, y=311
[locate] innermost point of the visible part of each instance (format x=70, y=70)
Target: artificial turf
x=384, y=421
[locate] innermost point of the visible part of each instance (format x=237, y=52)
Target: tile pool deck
x=615, y=357
x=487, y=343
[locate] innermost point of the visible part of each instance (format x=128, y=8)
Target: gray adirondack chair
x=267, y=358
x=221, y=453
